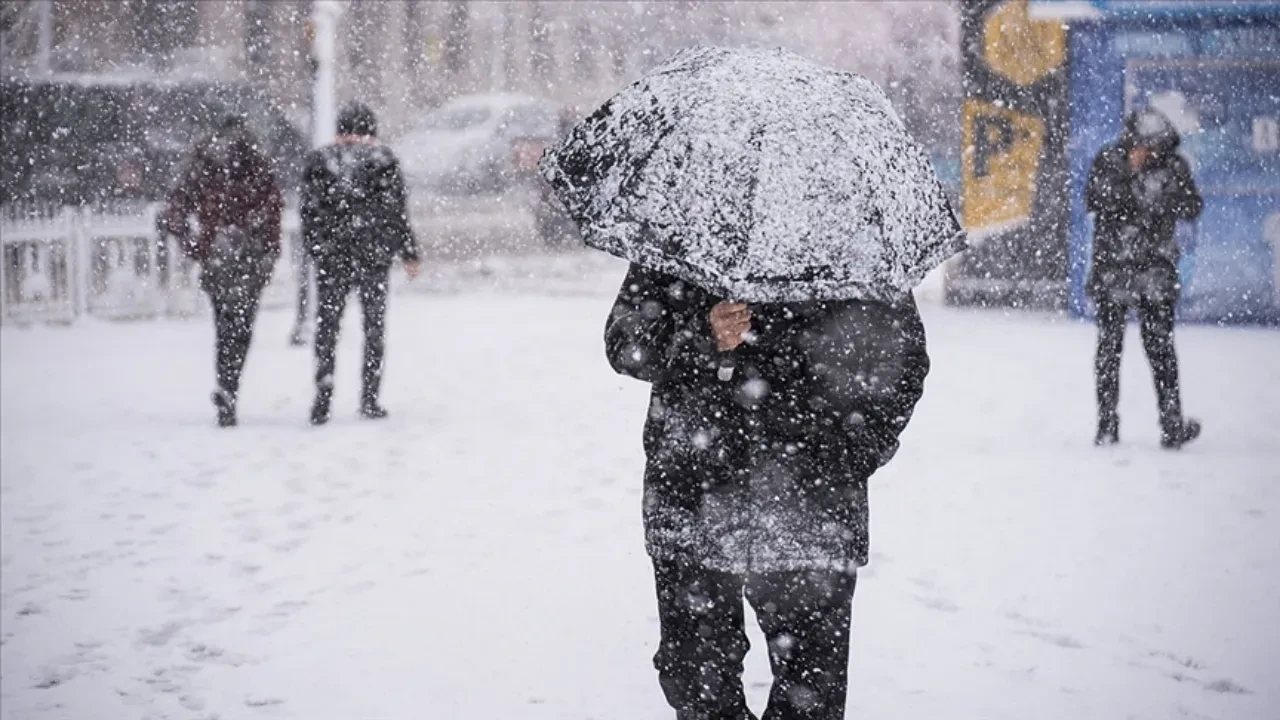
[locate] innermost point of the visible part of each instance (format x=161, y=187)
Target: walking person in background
x=1138, y=188
x=228, y=185
x=355, y=222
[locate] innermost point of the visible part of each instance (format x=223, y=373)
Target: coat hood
x=1152, y=128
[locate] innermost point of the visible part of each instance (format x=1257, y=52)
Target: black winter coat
x=766, y=471
x=354, y=206
x=1135, y=253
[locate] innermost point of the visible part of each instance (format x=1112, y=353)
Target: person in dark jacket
x=355, y=222
x=230, y=188
x=764, y=425
x=1138, y=188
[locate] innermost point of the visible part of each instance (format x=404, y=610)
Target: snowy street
x=479, y=554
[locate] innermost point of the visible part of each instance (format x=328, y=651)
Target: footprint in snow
x=160, y=636
x=1225, y=686
x=1018, y=617
x=1185, y=661
x=1063, y=641
x=937, y=603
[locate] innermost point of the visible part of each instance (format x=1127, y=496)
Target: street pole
x=324, y=15
x=44, y=46
x=497, y=69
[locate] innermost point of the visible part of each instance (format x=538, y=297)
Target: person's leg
x=302, y=274
x=806, y=618
x=373, y=302
x=331, y=299
x=224, y=396
x=1111, y=317
x=703, y=643
x=1157, y=320
x=241, y=317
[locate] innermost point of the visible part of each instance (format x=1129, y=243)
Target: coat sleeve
x=270, y=206
x=1184, y=200
x=314, y=189
x=1101, y=196
x=397, y=199
x=872, y=387
x=180, y=204
x=657, y=328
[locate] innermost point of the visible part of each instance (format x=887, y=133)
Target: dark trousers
x=334, y=283
x=235, y=307
x=805, y=617
x=302, y=273
x=1156, y=324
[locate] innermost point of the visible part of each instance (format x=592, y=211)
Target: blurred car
x=469, y=144
x=554, y=226
x=83, y=140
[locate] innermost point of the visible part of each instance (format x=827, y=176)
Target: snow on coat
x=766, y=472
x=1135, y=251
x=354, y=205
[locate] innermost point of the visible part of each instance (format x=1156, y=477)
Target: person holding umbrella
x=776, y=216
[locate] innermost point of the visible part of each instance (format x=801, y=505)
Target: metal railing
x=59, y=263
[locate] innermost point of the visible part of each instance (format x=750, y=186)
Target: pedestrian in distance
x=229, y=187
x=1138, y=188
x=355, y=223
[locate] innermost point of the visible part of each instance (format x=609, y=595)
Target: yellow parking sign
x=1001, y=162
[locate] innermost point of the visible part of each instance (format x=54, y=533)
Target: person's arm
x=1099, y=195
x=1184, y=200
x=396, y=206
x=313, y=190
x=658, y=328
x=270, y=212
x=871, y=375
x=180, y=204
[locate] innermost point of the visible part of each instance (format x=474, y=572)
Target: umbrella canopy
x=759, y=176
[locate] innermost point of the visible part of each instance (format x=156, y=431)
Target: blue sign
x=1104, y=9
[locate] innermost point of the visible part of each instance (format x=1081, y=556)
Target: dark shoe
x=1108, y=432
x=1174, y=440
x=226, y=408
x=320, y=411
x=373, y=411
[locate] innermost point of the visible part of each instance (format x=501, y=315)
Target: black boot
x=1108, y=431
x=1175, y=437
x=320, y=409
x=371, y=410
x=226, y=404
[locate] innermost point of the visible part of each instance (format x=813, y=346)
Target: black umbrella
x=759, y=176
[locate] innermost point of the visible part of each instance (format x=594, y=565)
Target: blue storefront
x=1214, y=68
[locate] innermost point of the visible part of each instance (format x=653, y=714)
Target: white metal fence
x=61, y=263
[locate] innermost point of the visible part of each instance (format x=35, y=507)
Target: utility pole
x=44, y=43
x=324, y=16
x=497, y=56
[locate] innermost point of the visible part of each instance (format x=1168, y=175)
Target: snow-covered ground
x=478, y=555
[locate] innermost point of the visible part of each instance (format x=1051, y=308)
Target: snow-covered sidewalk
x=478, y=555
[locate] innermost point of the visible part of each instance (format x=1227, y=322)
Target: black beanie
x=357, y=119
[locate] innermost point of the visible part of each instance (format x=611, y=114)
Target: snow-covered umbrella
x=759, y=176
